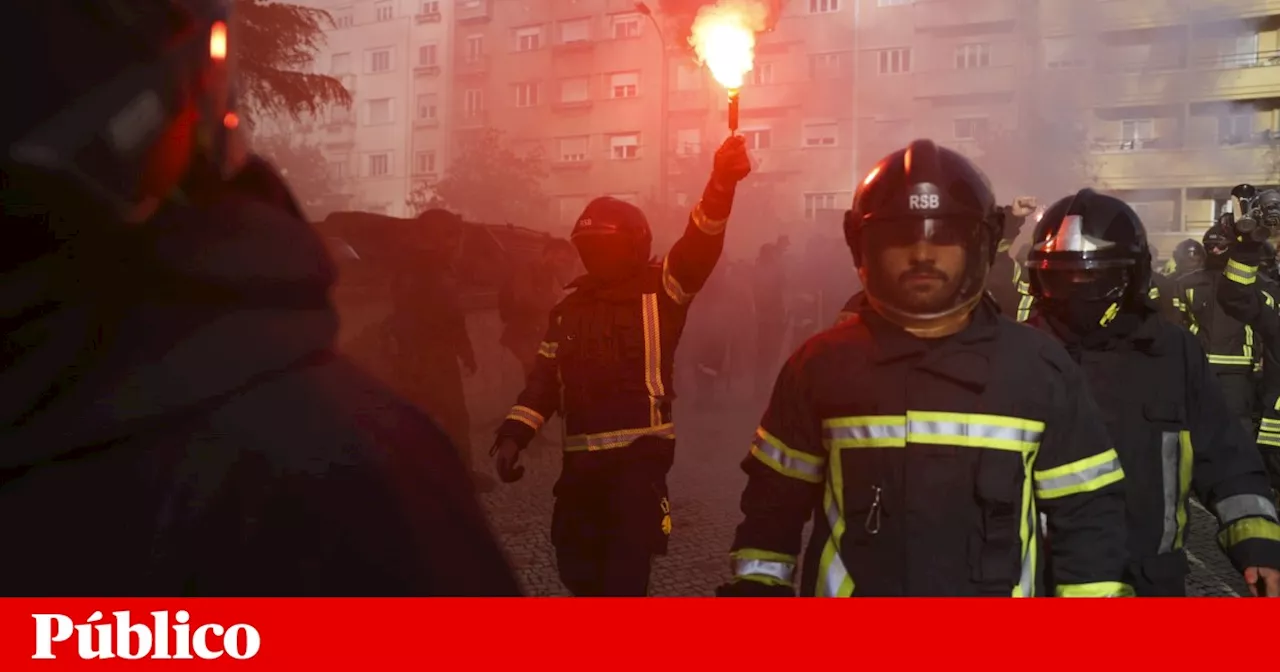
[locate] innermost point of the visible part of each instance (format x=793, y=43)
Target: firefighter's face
x=924, y=274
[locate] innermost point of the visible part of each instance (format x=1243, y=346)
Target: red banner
x=655, y=634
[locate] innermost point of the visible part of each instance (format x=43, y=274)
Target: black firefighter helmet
x=1188, y=255
x=1216, y=243
x=923, y=193
x=613, y=239
x=1089, y=249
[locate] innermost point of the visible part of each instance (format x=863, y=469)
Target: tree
x=304, y=167
x=490, y=182
x=276, y=44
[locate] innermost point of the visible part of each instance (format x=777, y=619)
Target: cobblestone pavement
x=705, y=486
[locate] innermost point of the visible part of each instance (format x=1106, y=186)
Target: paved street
x=705, y=486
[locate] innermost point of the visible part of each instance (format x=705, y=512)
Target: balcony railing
x=472, y=11
x=1213, y=78
x=1155, y=167
x=963, y=81
x=431, y=17
x=935, y=14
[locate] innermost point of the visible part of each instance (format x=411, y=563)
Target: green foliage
x=275, y=46
x=490, y=182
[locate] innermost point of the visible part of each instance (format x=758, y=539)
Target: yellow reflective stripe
x=672, y=286
x=1246, y=529
x=711, y=227
x=1087, y=475
x=1186, y=460
x=1004, y=245
x=1269, y=439
x=766, y=567
x=1271, y=302
x=528, y=416
x=1248, y=342
x=616, y=439
x=548, y=350
x=1024, y=306
x=786, y=460
x=833, y=577
x=1154, y=292
x=933, y=428
x=653, y=356
x=1237, y=272
x=1231, y=360
x=1107, y=317
x=1099, y=589
x=1026, y=586
x=1271, y=424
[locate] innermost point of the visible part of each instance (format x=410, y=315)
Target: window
x=1061, y=52
x=973, y=56
x=970, y=128
x=475, y=48
x=384, y=11
x=340, y=64
x=625, y=146
x=761, y=74
x=1134, y=132
x=337, y=169
x=815, y=204
x=574, y=148
x=343, y=18
x=574, y=90
x=820, y=134
x=424, y=162
x=688, y=77
x=1242, y=51
x=823, y=6
x=894, y=61
x=578, y=30
x=828, y=66
x=379, y=112
x=528, y=38
x=379, y=164
x=428, y=107
x=526, y=94
x=892, y=3
x=757, y=138
x=427, y=54
x=380, y=60
x=624, y=25
x=1235, y=129
x=473, y=102
x=431, y=6
x=689, y=141
x=624, y=85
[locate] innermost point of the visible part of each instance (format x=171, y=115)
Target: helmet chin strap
x=934, y=325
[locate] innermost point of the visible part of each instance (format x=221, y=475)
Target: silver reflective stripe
x=1083, y=476
x=1027, y=578
x=1235, y=507
x=863, y=432
x=1169, y=477
x=977, y=430
x=785, y=459
x=781, y=571
x=835, y=576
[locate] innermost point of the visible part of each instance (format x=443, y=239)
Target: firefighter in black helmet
x=1090, y=269
x=1232, y=346
x=926, y=434
x=1188, y=257
x=605, y=366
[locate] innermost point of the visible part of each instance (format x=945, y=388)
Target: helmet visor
x=1080, y=284
x=924, y=268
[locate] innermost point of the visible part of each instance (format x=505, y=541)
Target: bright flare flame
x=724, y=37
x=218, y=41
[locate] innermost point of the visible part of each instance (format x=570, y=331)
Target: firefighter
x=1089, y=270
x=606, y=366
x=926, y=434
x=1231, y=345
x=1006, y=272
x=527, y=297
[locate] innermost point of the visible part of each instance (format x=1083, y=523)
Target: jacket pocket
x=995, y=548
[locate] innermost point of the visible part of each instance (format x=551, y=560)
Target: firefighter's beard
x=923, y=289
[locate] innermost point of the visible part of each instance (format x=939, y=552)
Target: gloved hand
x=1248, y=251
x=506, y=454
x=753, y=589
x=731, y=165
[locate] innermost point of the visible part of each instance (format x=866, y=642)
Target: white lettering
x=45, y=638
x=98, y=640
x=923, y=201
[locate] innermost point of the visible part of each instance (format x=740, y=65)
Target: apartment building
x=391, y=55
x=1165, y=103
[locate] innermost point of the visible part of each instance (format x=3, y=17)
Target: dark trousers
x=1159, y=576
x=1271, y=460
x=611, y=517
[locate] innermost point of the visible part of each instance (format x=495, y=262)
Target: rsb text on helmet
x=923, y=201
x=164, y=638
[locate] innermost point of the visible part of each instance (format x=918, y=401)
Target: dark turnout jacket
x=173, y=421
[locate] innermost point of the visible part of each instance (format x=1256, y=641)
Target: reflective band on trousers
x=785, y=460
x=616, y=439
x=934, y=428
x=1085, y=475
x=1241, y=273
x=527, y=416
x=1233, y=508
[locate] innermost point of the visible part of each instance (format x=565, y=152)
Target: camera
x=1258, y=218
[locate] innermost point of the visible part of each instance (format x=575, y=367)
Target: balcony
x=1194, y=85
x=339, y=133
x=578, y=164
x=963, y=82
x=473, y=11
x=574, y=47
x=569, y=107
x=1074, y=16
x=472, y=65
x=433, y=17
x=943, y=14
x=427, y=70
x=1183, y=167
x=426, y=122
